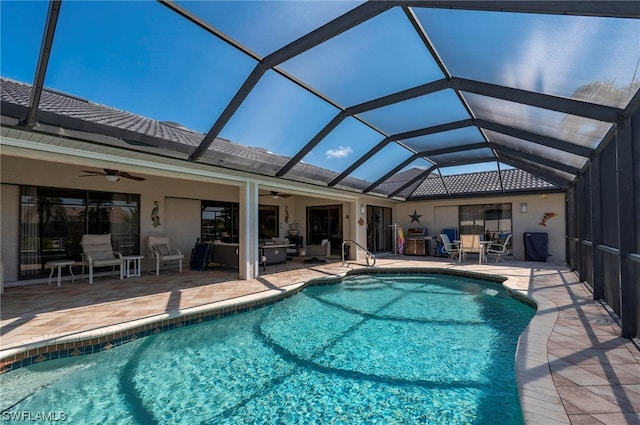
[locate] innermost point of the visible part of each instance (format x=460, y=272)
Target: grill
x=417, y=242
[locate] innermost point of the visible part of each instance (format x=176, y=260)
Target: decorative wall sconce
x=363, y=209
x=523, y=208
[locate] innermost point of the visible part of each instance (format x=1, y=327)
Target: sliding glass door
x=379, y=231
x=54, y=220
x=325, y=222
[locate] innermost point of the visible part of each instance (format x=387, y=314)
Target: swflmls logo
x=27, y=416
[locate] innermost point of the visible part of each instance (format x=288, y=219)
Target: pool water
x=375, y=349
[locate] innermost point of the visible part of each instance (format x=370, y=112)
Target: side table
x=132, y=265
x=59, y=264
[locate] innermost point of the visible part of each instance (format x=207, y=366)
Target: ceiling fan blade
x=93, y=173
x=275, y=194
x=130, y=176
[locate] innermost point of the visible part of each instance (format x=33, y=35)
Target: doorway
x=379, y=232
x=325, y=222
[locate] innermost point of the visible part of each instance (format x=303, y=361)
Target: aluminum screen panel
x=403, y=176
x=421, y=112
x=17, y=21
x=445, y=139
x=581, y=57
x=464, y=169
x=536, y=149
x=545, y=171
x=431, y=186
x=384, y=161
x=381, y=56
x=161, y=66
x=467, y=155
x=343, y=146
x=266, y=26
x=570, y=128
x=275, y=116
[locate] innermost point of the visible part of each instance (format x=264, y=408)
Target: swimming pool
x=373, y=349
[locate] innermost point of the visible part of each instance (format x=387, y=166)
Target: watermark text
x=30, y=416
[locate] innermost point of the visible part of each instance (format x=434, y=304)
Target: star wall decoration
x=415, y=217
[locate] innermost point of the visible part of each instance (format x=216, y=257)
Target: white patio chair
x=159, y=249
x=97, y=251
x=448, y=247
x=499, y=249
x=469, y=244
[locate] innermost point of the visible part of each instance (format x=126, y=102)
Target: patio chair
x=159, y=249
x=97, y=251
x=448, y=247
x=469, y=244
x=322, y=250
x=499, y=249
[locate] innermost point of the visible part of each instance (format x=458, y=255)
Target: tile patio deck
x=572, y=366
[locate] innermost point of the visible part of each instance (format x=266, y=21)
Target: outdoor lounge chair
x=499, y=249
x=449, y=247
x=97, y=251
x=159, y=249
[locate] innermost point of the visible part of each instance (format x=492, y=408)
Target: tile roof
x=513, y=180
x=101, y=119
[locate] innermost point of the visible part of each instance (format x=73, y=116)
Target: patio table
x=59, y=264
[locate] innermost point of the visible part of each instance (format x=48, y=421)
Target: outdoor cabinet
x=415, y=247
x=536, y=246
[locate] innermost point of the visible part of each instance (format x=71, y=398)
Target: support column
x=360, y=232
x=626, y=227
x=248, y=249
x=596, y=229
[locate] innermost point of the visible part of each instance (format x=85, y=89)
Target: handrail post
x=369, y=254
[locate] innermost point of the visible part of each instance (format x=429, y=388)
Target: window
x=54, y=220
x=267, y=222
x=220, y=221
x=492, y=220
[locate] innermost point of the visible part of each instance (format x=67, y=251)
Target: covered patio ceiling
x=351, y=95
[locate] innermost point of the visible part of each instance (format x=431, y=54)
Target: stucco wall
x=10, y=204
x=181, y=222
x=178, y=199
x=537, y=206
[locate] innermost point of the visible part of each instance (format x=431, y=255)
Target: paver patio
x=572, y=366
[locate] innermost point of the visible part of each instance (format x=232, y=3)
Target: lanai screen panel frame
x=477, y=97
x=590, y=58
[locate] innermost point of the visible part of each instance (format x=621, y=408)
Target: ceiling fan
x=111, y=175
x=275, y=194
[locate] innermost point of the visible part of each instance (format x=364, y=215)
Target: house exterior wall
x=178, y=197
x=9, y=229
x=178, y=201
x=445, y=211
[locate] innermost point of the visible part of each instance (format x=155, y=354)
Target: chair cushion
x=108, y=262
x=162, y=249
x=99, y=252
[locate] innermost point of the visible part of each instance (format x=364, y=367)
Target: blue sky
x=140, y=57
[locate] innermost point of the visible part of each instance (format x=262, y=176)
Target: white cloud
x=341, y=152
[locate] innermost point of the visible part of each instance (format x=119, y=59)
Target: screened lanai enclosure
x=386, y=98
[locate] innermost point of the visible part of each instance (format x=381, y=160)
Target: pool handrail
x=369, y=255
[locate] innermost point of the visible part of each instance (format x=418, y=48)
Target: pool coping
x=539, y=398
